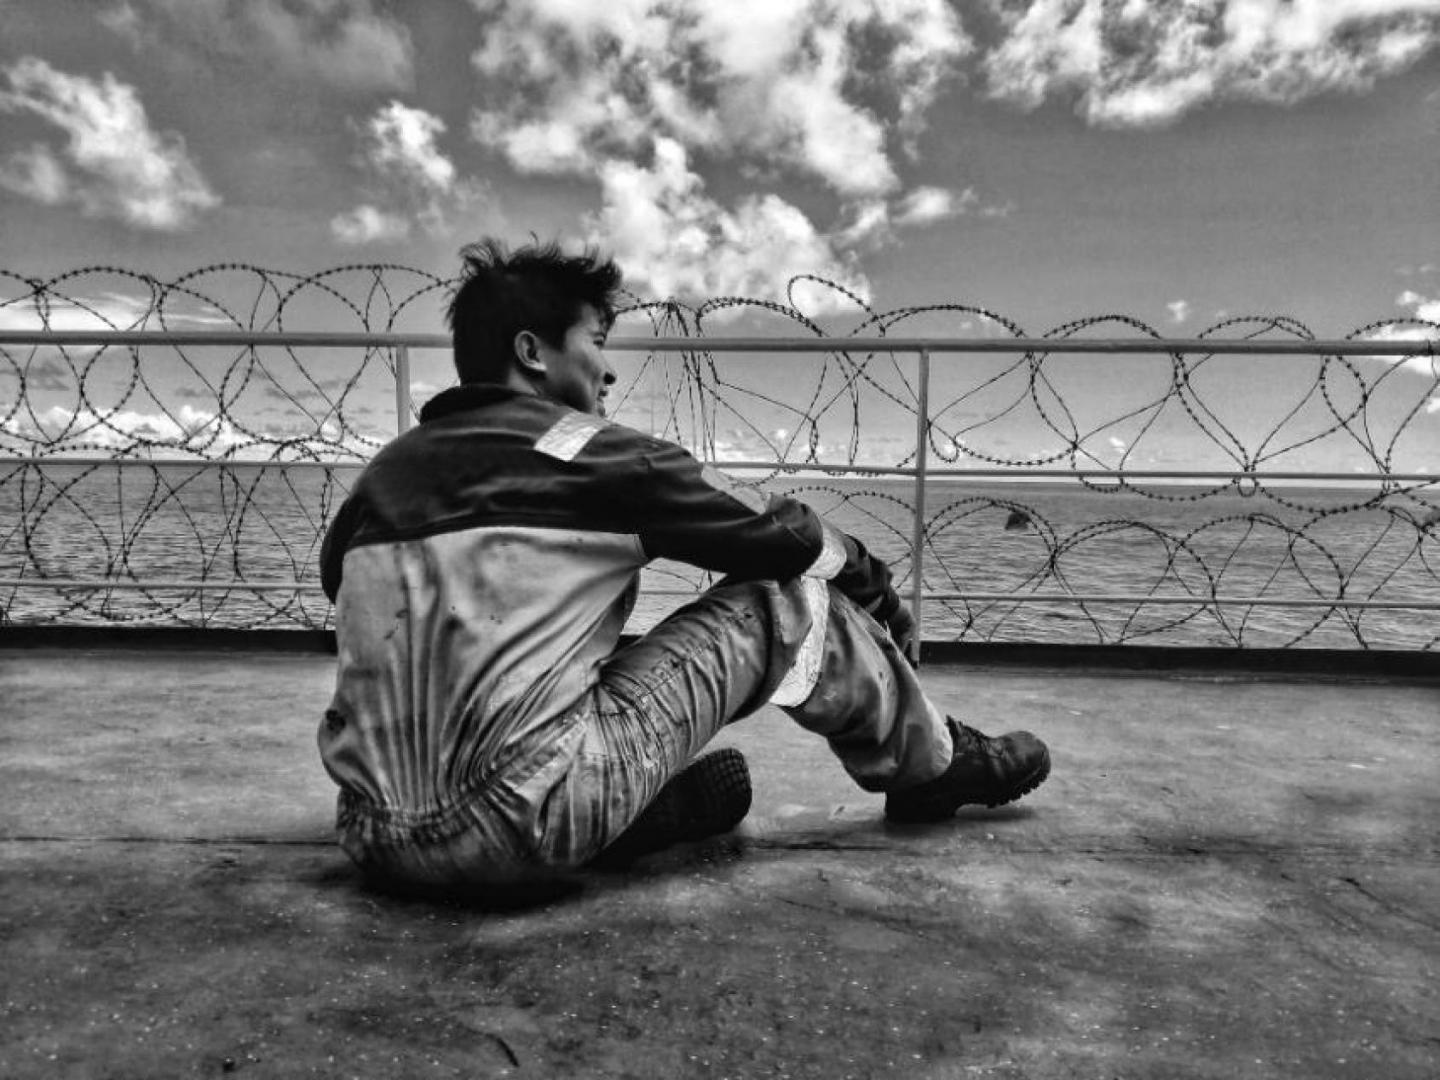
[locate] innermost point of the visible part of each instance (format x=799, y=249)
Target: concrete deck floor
x=1224, y=877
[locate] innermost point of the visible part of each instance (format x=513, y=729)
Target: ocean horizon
x=261, y=523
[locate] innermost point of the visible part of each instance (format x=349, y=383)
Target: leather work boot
x=710, y=796
x=982, y=770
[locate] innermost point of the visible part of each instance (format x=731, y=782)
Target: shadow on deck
x=1227, y=875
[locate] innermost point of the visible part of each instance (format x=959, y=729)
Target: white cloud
x=1425, y=309
x=869, y=226
x=871, y=223
x=107, y=311
x=367, y=224
x=568, y=84
x=345, y=43
x=37, y=174
x=113, y=164
x=181, y=433
x=927, y=205
x=1179, y=310
x=400, y=142
x=1429, y=366
x=414, y=178
x=187, y=426
x=672, y=239
x=641, y=94
x=1139, y=64
x=422, y=390
x=122, y=19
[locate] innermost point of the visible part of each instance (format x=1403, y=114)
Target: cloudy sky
x=1176, y=162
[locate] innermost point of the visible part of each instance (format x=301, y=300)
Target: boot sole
x=1029, y=784
x=720, y=794
x=709, y=797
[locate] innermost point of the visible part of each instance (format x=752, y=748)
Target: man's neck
x=520, y=384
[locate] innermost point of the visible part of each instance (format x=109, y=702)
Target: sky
x=1178, y=163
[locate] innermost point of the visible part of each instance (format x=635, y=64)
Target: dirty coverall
x=487, y=726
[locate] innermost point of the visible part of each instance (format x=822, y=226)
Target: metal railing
x=922, y=473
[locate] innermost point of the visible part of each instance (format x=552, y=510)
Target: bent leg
x=865, y=698
x=660, y=700
x=799, y=643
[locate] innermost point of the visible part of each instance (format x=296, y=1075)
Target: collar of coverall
x=463, y=397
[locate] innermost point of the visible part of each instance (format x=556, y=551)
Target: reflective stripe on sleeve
x=831, y=559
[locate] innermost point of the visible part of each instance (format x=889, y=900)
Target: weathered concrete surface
x=1224, y=877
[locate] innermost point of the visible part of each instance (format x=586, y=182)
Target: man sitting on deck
x=487, y=728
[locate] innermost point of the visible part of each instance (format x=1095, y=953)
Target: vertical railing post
x=917, y=539
x=402, y=388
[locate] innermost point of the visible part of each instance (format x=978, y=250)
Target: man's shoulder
x=574, y=435
x=570, y=432
x=556, y=432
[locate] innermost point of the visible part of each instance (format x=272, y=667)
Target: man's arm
x=696, y=514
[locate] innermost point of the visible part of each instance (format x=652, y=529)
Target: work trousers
x=800, y=644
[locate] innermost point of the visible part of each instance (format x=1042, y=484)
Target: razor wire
x=196, y=482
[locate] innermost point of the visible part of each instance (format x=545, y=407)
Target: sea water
x=249, y=524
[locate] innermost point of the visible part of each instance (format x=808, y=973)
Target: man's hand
x=902, y=631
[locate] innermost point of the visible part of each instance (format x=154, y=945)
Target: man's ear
x=527, y=353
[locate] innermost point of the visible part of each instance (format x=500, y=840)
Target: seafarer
x=487, y=728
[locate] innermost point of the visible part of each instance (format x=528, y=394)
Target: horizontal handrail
x=161, y=584
x=195, y=462
x=1014, y=472
x=1213, y=346
x=1216, y=600
x=317, y=339
x=1017, y=471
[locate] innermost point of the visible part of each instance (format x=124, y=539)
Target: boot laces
x=967, y=739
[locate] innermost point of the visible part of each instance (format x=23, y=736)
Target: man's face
x=578, y=374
